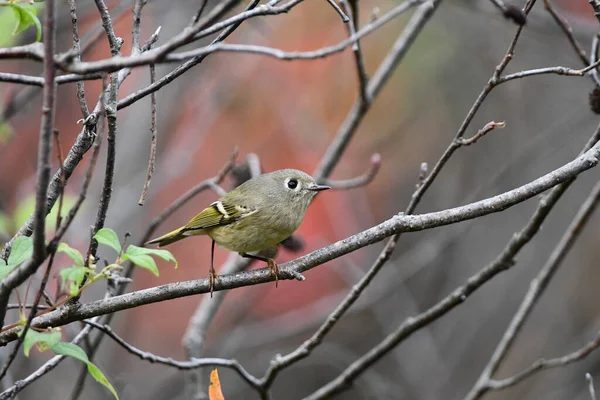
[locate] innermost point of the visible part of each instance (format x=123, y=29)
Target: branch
x=290, y=270
x=387, y=66
x=536, y=289
x=163, y=53
x=132, y=98
x=359, y=181
x=82, y=144
x=351, y=7
x=153, y=133
x=181, y=365
x=541, y=365
x=503, y=262
x=77, y=50
x=338, y=10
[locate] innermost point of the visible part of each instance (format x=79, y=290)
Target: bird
x=257, y=215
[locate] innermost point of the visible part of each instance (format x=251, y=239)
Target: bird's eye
x=292, y=184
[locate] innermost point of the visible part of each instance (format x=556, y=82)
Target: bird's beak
x=317, y=188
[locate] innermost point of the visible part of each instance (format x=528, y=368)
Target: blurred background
x=287, y=113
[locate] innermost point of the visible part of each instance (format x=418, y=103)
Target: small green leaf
x=21, y=250
x=164, y=254
x=72, y=350
x=99, y=376
x=26, y=16
x=144, y=261
x=74, y=254
x=75, y=276
x=44, y=340
x=17, y=19
x=108, y=237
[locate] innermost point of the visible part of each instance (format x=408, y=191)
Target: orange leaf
x=214, y=390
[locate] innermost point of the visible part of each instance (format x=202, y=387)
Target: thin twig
x=542, y=364
x=199, y=12
x=113, y=41
x=153, y=131
x=359, y=181
x=590, y=380
x=536, y=289
x=168, y=361
x=77, y=50
x=566, y=28
x=132, y=98
x=490, y=126
x=338, y=10
x=165, y=54
x=137, y=22
x=394, y=56
x=351, y=7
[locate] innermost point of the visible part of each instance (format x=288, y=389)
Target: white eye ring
x=292, y=184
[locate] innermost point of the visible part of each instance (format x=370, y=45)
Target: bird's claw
x=274, y=268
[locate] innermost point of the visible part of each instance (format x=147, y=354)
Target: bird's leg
x=273, y=267
x=212, y=275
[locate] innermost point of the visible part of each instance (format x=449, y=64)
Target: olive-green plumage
x=256, y=215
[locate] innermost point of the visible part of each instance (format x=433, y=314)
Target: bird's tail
x=169, y=238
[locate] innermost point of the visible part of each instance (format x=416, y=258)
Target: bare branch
x=77, y=50
x=359, y=181
x=351, y=7
x=168, y=361
x=394, y=56
x=541, y=365
x=503, y=262
x=132, y=98
x=153, y=132
x=114, y=41
x=395, y=225
x=490, y=126
x=338, y=10
x=536, y=289
x=590, y=380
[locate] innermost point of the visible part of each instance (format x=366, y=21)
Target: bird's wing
x=219, y=213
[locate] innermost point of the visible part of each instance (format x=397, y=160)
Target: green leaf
x=74, y=254
x=99, y=376
x=72, y=350
x=108, y=237
x=164, y=254
x=26, y=16
x=75, y=276
x=44, y=340
x=144, y=261
x=21, y=250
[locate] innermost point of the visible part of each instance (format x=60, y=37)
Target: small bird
x=257, y=215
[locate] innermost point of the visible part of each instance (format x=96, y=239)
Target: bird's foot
x=212, y=278
x=274, y=268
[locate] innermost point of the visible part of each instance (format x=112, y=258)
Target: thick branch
x=394, y=225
